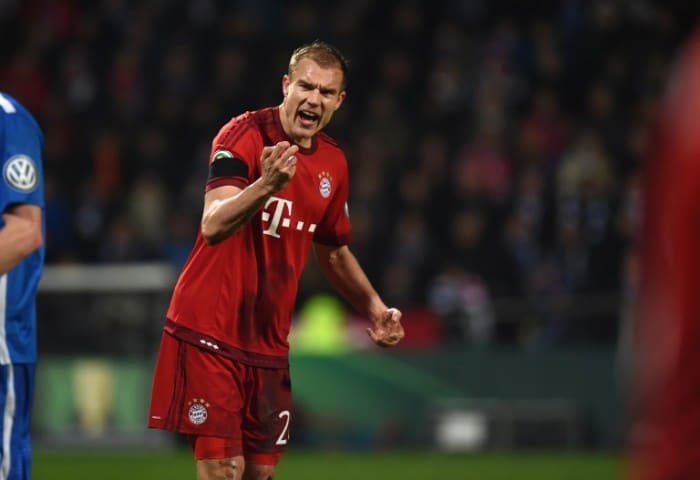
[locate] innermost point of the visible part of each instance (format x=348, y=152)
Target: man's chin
x=301, y=133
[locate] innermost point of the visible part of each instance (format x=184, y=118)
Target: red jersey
x=668, y=446
x=237, y=297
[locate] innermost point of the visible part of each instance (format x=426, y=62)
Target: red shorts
x=202, y=394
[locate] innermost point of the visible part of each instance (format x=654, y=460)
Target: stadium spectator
x=431, y=76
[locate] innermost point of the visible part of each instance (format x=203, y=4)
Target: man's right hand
x=279, y=164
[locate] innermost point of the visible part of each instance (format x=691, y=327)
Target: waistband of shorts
x=209, y=343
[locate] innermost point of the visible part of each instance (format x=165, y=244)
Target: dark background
x=495, y=147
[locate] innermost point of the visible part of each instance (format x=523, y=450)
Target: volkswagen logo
x=20, y=173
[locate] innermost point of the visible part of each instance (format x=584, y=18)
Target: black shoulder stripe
x=228, y=167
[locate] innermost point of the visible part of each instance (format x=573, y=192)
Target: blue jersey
x=21, y=182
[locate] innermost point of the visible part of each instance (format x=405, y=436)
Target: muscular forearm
x=227, y=209
x=224, y=217
x=345, y=274
x=19, y=237
x=342, y=269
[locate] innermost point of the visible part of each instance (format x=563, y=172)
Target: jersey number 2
x=282, y=439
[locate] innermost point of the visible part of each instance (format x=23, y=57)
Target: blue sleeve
x=22, y=171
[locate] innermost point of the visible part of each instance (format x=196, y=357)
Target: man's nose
x=314, y=97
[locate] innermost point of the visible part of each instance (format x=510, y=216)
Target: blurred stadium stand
x=494, y=147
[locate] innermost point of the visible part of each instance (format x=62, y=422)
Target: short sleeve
x=22, y=171
x=237, y=145
x=335, y=228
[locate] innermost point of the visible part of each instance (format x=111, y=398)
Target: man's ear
x=341, y=97
x=285, y=84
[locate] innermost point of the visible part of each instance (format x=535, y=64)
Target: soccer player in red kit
x=276, y=185
x=666, y=436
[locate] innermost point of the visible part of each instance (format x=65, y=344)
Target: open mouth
x=307, y=118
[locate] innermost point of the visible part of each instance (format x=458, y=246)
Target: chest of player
x=300, y=207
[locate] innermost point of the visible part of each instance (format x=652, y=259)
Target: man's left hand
x=387, y=331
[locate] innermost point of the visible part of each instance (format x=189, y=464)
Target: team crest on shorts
x=198, y=412
x=324, y=185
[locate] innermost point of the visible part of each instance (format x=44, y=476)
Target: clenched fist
x=387, y=330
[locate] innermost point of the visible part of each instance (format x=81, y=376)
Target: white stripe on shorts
x=7, y=422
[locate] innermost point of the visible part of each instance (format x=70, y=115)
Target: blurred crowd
x=494, y=147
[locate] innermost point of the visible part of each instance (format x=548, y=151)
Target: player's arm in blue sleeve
x=20, y=236
x=21, y=187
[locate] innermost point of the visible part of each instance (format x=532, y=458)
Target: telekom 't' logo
x=281, y=216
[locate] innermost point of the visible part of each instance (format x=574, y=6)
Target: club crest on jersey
x=198, y=411
x=324, y=185
x=20, y=173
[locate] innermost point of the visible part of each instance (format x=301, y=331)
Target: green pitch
x=60, y=465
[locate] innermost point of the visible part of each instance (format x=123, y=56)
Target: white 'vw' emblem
x=20, y=173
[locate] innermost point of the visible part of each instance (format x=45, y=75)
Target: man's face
x=311, y=96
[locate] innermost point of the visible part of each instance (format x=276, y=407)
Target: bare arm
x=228, y=208
x=20, y=236
x=345, y=273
